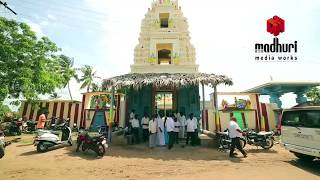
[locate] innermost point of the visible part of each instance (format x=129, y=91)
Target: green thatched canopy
x=176, y=80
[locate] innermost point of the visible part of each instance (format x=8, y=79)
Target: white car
x=300, y=131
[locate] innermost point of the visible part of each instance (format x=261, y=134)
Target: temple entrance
x=163, y=103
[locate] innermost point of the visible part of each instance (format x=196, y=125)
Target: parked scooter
x=46, y=139
x=98, y=144
x=225, y=141
x=262, y=139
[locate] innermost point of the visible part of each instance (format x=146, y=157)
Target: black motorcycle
x=30, y=126
x=262, y=139
x=14, y=128
x=225, y=141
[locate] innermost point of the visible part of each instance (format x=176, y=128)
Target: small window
x=303, y=118
x=164, y=53
x=164, y=56
x=164, y=20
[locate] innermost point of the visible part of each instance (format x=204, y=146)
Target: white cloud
x=52, y=17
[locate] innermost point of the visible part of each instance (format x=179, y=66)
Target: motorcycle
x=98, y=144
x=46, y=139
x=29, y=126
x=262, y=139
x=14, y=128
x=52, y=123
x=4, y=144
x=225, y=141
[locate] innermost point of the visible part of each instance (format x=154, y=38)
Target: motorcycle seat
x=95, y=137
x=55, y=133
x=223, y=133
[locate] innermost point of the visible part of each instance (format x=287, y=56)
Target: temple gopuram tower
x=164, y=42
x=164, y=47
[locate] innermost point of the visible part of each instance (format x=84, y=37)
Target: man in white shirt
x=170, y=130
x=191, y=126
x=145, y=127
x=235, y=134
x=131, y=117
x=183, y=123
x=176, y=130
x=153, y=131
x=135, y=128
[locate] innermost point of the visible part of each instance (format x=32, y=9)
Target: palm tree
x=87, y=77
x=68, y=72
x=95, y=87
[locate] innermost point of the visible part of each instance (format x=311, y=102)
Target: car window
x=312, y=119
x=302, y=118
x=290, y=118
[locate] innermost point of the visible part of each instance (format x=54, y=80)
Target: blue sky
x=103, y=33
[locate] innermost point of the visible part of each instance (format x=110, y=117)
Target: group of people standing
x=165, y=130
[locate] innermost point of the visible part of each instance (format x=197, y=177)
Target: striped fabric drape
x=60, y=109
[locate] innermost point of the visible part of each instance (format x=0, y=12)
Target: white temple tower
x=164, y=42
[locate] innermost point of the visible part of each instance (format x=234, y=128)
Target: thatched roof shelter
x=177, y=80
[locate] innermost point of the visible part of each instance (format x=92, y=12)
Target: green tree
x=68, y=71
x=4, y=110
x=87, y=77
x=314, y=95
x=29, y=66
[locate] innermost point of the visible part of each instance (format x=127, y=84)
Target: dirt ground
x=139, y=162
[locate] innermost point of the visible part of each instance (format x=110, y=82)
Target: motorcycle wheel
x=1, y=151
x=224, y=144
x=83, y=148
x=268, y=144
x=41, y=147
x=100, y=150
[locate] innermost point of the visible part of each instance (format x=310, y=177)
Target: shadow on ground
x=162, y=153
x=312, y=167
x=34, y=152
x=87, y=155
x=268, y=151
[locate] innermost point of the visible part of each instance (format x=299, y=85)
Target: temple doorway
x=164, y=103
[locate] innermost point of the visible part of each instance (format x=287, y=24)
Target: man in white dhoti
x=160, y=131
x=153, y=131
x=183, y=123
